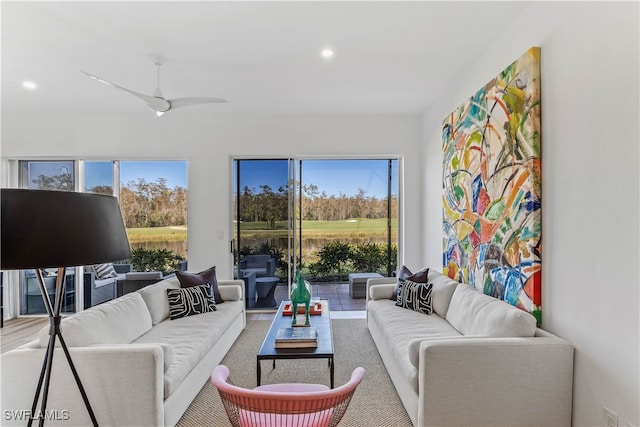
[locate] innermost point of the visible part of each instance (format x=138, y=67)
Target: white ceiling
x=390, y=57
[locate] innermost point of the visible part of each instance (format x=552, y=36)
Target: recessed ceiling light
x=27, y=84
x=327, y=53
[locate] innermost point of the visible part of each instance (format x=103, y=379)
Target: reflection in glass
x=98, y=178
x=46, y=175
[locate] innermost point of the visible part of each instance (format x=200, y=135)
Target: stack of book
x=297, y=338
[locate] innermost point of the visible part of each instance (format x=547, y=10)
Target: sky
x=335, y=177
x=175, y=172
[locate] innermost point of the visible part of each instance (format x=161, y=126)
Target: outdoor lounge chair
x=263, y=265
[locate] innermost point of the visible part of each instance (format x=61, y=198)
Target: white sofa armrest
x=124, y=385
x=380, y=288
x=231, y=290
x=473, y=381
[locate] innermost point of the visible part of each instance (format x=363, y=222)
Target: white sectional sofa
x=475, y=361
x=139, y=367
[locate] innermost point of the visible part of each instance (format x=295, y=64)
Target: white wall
x=590, y=177
x=590, y=156
x=207, y=142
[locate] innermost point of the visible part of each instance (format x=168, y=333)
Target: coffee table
x=322, y=323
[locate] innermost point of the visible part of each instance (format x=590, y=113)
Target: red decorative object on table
x=314, y=309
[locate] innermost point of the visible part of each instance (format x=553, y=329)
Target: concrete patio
x=336, y=293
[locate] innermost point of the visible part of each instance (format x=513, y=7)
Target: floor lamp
x=58, y=229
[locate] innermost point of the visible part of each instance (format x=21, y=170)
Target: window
x=98, y=178
x=46, y=175
x=153, y=199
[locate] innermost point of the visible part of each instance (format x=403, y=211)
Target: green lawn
x=157, y=234
x=351, y=227
x=318, y=229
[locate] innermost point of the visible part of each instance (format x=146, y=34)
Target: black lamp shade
x=45, y=229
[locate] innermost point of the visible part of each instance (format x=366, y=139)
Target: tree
x=62, y=182
x=153, y=204
x=101, y=189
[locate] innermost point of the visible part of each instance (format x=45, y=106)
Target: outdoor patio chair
x=303, y=405
x=263, y=265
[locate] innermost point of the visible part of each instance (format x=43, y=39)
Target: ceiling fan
x=156, y=102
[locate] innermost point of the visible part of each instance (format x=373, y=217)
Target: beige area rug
x=375, y=402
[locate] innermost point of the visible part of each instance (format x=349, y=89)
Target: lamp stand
x=54, y=331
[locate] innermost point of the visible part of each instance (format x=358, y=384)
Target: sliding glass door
x=348, y=218
x=262, y=201
x=326, y=217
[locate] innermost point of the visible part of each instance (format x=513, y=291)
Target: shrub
x=154, y=260
x=368, y=257
x=394, y=258
x=331, y=259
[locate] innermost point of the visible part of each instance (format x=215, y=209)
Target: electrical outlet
x=610, y=418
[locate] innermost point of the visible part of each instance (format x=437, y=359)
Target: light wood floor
x=19, y=331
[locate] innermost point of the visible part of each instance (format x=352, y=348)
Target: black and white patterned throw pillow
x=415, y=296
x=105, y=271
x=189, y=301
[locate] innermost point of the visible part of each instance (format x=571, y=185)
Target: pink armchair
x=304, y=405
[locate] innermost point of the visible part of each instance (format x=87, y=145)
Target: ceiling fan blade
x=153, y=102
x=184, y=102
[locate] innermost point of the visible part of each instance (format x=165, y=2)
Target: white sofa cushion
x=155, y=296
x=473, y=313
x=191, y=338
x=114, y=322
x=443, y=288
x=400, y=327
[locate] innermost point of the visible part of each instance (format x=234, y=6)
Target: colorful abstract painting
x=492, y=190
